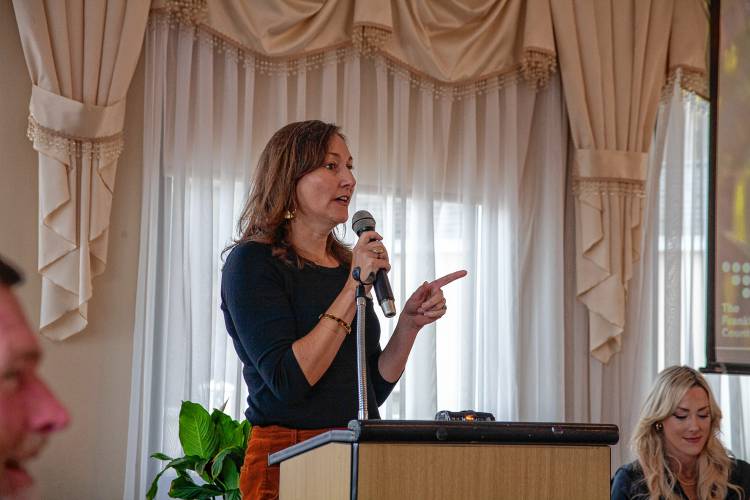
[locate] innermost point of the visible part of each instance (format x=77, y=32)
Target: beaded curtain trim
x=104, y=149
x=620, y=187
x=536, y=66
x=691, y=80
x=187, y=11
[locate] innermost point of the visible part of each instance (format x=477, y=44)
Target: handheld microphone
x=361, y=222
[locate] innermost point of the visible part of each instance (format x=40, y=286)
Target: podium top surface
x=431, y=431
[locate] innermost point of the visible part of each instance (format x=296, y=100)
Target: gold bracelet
x=343, y=324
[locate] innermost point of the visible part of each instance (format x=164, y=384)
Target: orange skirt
x=258, y=480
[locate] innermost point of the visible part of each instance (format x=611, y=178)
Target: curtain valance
x=457, y=47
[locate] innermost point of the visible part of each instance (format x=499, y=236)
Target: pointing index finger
x=448, y=278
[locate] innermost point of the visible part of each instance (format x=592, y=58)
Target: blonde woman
x=679, y=452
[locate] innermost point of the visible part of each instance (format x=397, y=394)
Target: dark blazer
x=628, y=482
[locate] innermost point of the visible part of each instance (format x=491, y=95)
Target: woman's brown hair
x=292, y=152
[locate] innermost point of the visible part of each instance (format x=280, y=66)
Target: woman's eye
x=708, y=415
x=330, y=166
x=350, y=167
x=680, y=417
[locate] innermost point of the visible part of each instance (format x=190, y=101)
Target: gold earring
x=659, y=426
x=289, y=215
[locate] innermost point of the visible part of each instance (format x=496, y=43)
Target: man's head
x=29, y=411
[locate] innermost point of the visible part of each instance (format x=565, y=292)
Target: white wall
x=90, y=371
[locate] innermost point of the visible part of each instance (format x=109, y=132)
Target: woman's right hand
x=370, y=255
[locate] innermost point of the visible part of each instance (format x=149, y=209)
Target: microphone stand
x=361, y=360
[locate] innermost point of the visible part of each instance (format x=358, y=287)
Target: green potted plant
x=214, y=446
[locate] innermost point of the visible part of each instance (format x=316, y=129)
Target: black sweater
x=267, y=305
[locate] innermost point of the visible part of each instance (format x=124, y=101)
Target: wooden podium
x=401, y=459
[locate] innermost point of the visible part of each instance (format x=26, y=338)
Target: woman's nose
x=693, y=422
x=347, y=178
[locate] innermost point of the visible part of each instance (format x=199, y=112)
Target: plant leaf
x=233, y=495
x=216, y=467
x=182, y=464
x=184, y=487
x=161, y=456
x=219, y=414
x=218, y=462
x=246, y=428
x=225, y=428
x=151, y=493
x=200, y=469
x=238, y=438
x=197, y=431
x=178, y=464
x=230, y=475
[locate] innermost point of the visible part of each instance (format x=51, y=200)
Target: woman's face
x=323, y=195
x=686, y=431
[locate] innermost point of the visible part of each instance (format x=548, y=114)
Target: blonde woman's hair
x=713, y=464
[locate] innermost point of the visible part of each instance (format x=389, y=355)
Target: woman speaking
x=288, y=299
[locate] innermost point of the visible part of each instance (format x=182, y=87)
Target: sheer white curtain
x=668, y=292
x=475, y=183
x=682, y=262
x=666, y=308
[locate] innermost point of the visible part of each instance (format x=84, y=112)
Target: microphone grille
x=362, y=221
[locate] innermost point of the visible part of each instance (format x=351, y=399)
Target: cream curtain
x=81, y=57
x=615, y=59
x=614, y=392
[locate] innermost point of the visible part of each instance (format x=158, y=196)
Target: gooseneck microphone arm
x=362, y=413
x=361, y=222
